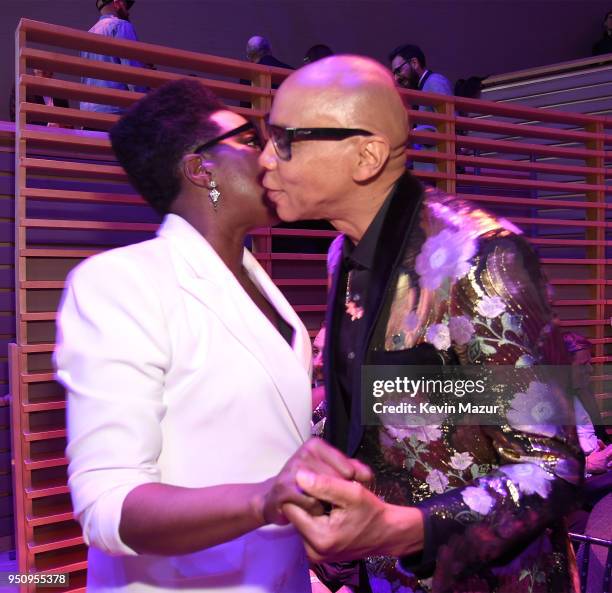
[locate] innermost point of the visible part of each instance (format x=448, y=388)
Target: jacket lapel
x=203, y=274
x=402, y=214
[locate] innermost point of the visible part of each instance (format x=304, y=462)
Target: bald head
x=352, y=92
x=257, y=47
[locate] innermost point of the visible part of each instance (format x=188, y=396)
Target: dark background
x=460, y=37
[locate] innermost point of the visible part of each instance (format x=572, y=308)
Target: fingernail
x=305, y=479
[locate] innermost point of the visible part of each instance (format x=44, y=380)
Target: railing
x=587, y=541
x=545, y=171
x=579, y=86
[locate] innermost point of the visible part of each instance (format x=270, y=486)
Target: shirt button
x=350, y=355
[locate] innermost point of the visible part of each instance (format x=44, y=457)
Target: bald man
x=421, y=278
x=259, y=51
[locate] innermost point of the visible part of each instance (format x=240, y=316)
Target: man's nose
x=267, y=158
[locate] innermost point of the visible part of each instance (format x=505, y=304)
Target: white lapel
x=207, y=278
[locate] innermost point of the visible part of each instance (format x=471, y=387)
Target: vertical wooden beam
x=263, y=102
x=263, y=244
x=17, y=458
x=449, y=147
x=20, y=184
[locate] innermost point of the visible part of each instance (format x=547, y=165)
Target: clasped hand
x=358, y=524
x=314, y=456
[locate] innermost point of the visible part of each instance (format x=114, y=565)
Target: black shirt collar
x=361, y=256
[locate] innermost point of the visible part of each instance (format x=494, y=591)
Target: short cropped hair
x=318, y=52
x=150, y=139
x=408, y=52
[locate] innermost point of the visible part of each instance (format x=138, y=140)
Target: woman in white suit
x=188, y=373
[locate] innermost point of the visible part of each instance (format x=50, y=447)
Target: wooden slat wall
x=7, y=328
x=579, y=86
x=548, y=172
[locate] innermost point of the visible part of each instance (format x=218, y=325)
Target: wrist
x=257, y=504
x=404, y=533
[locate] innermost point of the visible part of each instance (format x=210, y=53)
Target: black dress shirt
x=355, y=271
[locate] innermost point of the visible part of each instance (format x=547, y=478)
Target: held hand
x=314, y=456
x=358, y=525
x=600, y=461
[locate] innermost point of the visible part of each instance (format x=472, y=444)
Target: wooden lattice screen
x=548, y=172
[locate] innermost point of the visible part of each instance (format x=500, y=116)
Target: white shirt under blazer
x=174, y=375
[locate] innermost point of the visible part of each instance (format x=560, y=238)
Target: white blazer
x=174, y=375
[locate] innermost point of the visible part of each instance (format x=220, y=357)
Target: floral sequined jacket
x=452, y=283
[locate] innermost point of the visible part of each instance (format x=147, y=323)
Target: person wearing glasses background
x=422, y=278
x=188, y=372
x=409, y=68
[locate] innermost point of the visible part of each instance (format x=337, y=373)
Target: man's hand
x=600, y=460
x=359, y=524
x=314, y=456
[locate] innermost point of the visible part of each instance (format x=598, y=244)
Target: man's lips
x=271, y=193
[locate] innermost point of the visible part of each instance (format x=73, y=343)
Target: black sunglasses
x=283, y=137
x=255, y=140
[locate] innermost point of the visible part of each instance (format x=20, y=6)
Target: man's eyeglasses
x=396, y=71
x=283, y=137
x=252, y=139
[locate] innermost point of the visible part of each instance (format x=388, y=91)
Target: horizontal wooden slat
x=30, y=348
x=55, y=137
x=309, y=308
x=59, y=253
x=42, y=434
x=496, y=163
x=580, y=281
x=131, y=74
x=528, y=183
x=65, y=37
x=39, y=316
x=55, y=544
x=580, y=302
x=49, y=488
x=41, y=284
x=504, y=146
x=574, y=262
x=300, y=282
x=82, y=196
x=72, y=169
x=38, y=377
x=522, y=112
x=45, y=461
x=50, y=514
x=77, y=91
x=100, y=225
x=521, y=130
x=559, y=222
x=68, y=116
x=47, y=406
x=535, y=202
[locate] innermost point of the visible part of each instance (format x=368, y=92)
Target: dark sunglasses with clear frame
x=253, y=139
x=282, y=138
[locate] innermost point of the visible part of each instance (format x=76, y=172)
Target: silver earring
x=214, y=194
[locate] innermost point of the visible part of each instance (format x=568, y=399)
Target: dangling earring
x=214, y=194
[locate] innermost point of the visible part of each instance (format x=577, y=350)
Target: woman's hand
x=315, y=456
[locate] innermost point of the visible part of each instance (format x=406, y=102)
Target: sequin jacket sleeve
x=534, y=470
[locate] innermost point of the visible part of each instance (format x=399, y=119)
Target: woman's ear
x=372, y=156
x=197, y=170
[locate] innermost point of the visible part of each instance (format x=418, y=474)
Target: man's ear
x=372, y=157
x=196, y=169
